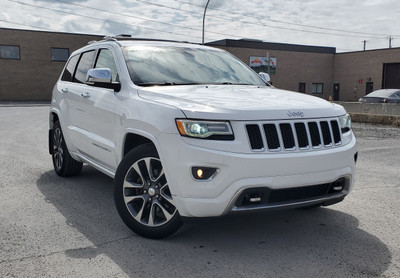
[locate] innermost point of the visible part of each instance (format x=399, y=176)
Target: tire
x=142, y=195
x=63, y=163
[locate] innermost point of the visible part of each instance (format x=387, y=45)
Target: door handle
x=64, y=90
x=85, y=95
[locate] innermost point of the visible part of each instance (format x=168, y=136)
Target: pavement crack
x=67, y=251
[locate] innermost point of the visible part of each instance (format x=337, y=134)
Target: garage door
x=391, y=76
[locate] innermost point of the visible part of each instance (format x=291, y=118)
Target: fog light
x=200, y=173
x=203, y=173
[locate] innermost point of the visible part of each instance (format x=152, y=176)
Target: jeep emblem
x=295, y=114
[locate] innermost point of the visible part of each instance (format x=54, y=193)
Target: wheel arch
x=53, y=117
x=133, y=140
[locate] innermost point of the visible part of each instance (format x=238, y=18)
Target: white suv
x=191, y=131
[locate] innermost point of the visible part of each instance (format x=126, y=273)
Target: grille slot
x=301, y=134
x=272, y=136
x=336, y=132
x=292, y=136
x=287, y=136
x=326, y=134
x=314, y=133
x=254, y=134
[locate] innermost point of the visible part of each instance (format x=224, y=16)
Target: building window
x=59, y=54
x=9, y=52
x=317, y=88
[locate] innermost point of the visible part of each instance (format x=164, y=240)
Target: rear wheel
x=142, y=194
x=63, y=163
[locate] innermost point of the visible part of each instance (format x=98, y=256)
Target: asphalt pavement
x=69, y=227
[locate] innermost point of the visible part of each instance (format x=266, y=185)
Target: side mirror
x=101, y=77
x=98, y=76
x=265, y=77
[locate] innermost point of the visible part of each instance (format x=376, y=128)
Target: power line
x=103, y=20
x=284, y=22
x=259, y=24
x=141, y=18
x=31, y=26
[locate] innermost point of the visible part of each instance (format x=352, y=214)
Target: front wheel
x=142, y=195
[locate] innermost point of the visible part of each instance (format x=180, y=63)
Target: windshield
x=168, y=65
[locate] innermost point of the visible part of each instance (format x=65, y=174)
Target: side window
x=106, y=60
x=85, y=63
x=70, y=68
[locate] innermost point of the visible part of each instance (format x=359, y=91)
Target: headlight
x=345, y=123
x=212, y=130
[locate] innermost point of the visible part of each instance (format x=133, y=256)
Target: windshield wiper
x=230, y=83
x=147, y=84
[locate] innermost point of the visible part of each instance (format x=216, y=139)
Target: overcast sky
x=343, y=24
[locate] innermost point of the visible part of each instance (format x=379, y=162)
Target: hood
x=241, y=102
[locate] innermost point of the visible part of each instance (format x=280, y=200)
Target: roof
x=382, y=93
x=247, y=43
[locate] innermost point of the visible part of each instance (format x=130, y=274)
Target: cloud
x=111, y=28
x=258, y=19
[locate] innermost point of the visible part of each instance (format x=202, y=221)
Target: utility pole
x=390, y=41
x=365, y=43
x=204, y=18
x=268, y=64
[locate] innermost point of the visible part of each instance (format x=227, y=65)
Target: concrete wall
x=351, y=68
x=390, y=109
x=33, y=76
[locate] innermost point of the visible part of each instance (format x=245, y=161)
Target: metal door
x=336, y=91
x=302, y=87
x=369, y=87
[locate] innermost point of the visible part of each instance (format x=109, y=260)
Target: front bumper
x=239, y=172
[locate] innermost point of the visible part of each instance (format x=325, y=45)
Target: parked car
x=382, y=96
x=191, y=131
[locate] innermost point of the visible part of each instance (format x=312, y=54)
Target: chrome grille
x=293, y=135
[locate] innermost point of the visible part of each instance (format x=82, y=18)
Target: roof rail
x=124, y=37
x=109, y=38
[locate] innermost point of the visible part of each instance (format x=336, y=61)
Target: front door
x=369, y=87
x=302, y=87
x=336, y=90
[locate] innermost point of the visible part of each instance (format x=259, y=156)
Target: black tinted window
x=59, y=54
x=85, y=63
x=9, y=52
x=106, y=60
x=70, y=68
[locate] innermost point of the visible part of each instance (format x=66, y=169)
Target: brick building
x=31, y=62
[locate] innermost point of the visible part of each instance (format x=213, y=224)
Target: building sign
x=260, y=64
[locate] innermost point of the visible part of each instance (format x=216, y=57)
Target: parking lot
x=55, y=227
